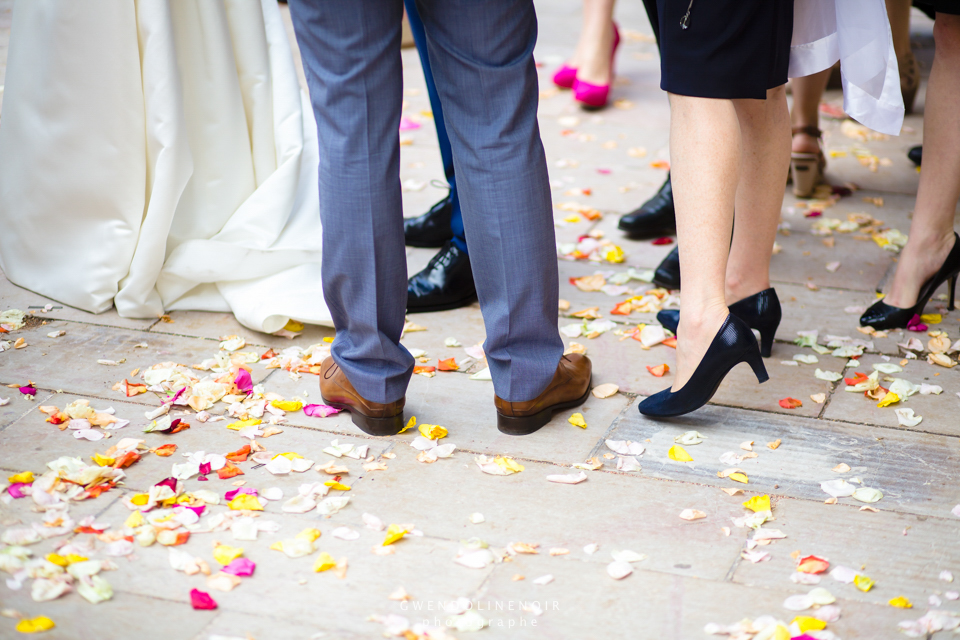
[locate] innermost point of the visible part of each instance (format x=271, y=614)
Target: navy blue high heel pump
x=733, y=344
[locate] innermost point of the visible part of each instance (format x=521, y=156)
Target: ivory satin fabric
x=857, y=33
x=160, y=155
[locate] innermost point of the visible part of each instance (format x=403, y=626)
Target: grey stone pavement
x=693, y=572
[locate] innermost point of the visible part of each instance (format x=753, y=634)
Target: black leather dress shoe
x=655, y=217
x=432, y=228
x=915, y=154
x=445, y=283
x=667, y=275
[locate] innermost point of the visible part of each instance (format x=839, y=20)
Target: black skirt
x=938, y=6
x=728, y=49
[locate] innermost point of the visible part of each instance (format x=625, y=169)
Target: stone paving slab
x=471, y=420
x=913, y=470
x=418, y=563
x=651, y=605
x=19, y=406
x=243, y=624
x=615, y=511
x=939, y=412
x=14, y=297
x=903, y=553
x=70, y=361
x=125, y=616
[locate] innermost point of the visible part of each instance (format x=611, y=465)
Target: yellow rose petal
x=679, y=454
x=135, y=520
x=901, y=602
x=241, y=424
x=394, y=533
x=889, y=399
x=245, y=502
x=577, y=420
x=102, y=460
x=863, y=583
x=432, y=431
x=224, y=553
x=758, y=503
x=308, y=534
x=808, y=623
x=25, y=477
x=739, y=477
x=287, y=405
x=411, y=423
x=324, y=561
x=508, y=464
x=35, y=625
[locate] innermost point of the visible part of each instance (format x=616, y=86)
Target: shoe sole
x=646, y=234
x=525, y=425
x=371, y=426
x=672, y=286
x=427, y=245
x=463, y=302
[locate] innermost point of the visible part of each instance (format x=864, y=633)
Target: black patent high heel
x=884, y=316
x=761, y=311
x=733, y=344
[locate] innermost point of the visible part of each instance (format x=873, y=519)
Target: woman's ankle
x=803, y=143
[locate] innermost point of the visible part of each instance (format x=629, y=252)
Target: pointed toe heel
x=669, y=319
x=882, y=316
x=733, y=344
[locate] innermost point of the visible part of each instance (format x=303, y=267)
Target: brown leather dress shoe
x=372, y=417
x=569, y=388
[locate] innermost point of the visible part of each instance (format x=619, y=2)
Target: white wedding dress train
x=160, y=155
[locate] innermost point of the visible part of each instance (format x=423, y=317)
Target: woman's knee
x=946, y=34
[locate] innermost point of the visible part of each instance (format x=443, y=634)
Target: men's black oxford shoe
x=432, y=228
x=667, y=275
x=655, y=217
x=445, y=283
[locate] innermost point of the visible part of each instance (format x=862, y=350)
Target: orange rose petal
x=659, y=371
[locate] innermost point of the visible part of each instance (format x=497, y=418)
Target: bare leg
x=592, y=58
x=931, y=232
x=898, y=12
x=765, y=136
x=705, y=147
x=807, y=93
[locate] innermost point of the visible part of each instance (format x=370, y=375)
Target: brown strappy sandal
x=806, y=169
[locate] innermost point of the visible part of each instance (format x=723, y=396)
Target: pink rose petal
x=201, y=600
x=406, y=124
x=233, y=493
x=243, y=381
x=16, y=489
x=320, y=410
x=240, y=567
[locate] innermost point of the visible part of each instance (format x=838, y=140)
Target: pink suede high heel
x=595, y=96
x=565, y=77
